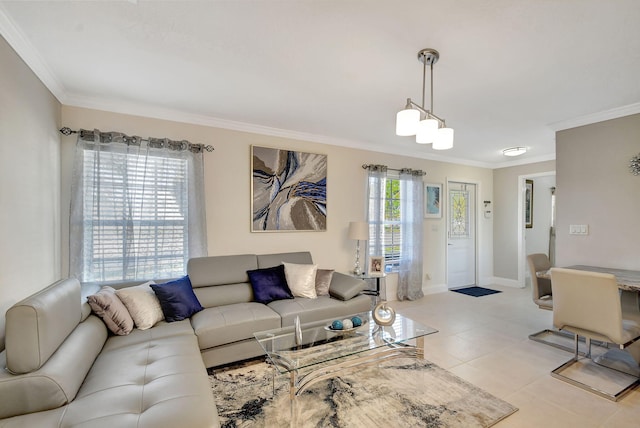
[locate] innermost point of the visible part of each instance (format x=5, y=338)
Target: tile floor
x=484, y=340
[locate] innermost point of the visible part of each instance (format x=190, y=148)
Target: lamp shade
x=427, y=131
x=407, y=122
x=444, y=139
x=359, y=230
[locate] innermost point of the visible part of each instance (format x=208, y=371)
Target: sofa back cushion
x=39, y=324
x=222, y=280
x=220, y=270
x=270, y=260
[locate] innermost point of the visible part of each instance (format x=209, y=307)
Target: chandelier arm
x=424, y=80
x=431, y=66
x=428, y=113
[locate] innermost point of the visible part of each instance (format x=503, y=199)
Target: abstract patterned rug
x=400, y=393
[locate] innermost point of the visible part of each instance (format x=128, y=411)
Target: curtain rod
x=409, y=170
x=182, y=144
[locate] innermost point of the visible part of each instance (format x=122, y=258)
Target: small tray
x=345, y=330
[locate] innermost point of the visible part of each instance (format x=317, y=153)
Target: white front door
x=461, y=233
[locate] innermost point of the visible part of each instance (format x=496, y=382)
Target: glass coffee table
x=325, y=353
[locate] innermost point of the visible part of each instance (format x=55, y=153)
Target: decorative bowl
x=345, y=330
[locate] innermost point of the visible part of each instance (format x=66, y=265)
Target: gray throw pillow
x=323, y=281
x=142, y=304
x=106, y=304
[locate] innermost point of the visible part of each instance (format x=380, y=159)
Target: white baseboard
x=433, y=289
x=506, y=282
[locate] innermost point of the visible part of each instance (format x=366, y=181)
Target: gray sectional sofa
x=63, y=369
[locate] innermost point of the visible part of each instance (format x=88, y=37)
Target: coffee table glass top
x=321, y=345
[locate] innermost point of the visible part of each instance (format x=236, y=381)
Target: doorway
x=461, y=234
x=536, y=223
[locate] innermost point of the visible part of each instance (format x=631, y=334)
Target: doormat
x=476, y=291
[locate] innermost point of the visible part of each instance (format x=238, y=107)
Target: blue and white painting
x=289, y=190
x=432, y=201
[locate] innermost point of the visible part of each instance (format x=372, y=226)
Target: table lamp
x=359, y=231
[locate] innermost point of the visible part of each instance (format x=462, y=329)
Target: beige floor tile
x=535, y=412
x=485, y=341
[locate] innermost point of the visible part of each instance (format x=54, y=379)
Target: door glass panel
x=459, y=209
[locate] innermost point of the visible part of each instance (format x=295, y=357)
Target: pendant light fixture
x=416, y=120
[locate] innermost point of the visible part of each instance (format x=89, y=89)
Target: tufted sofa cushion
x=232, y=323
x=150, y=378
x=322, y=308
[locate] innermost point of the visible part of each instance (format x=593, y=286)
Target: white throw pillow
x=301, y=279
x=142, y=304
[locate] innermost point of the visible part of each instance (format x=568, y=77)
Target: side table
x=376, y=292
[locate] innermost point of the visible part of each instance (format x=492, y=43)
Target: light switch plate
x=578, y=229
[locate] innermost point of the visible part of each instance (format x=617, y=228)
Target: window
x=391, y=226
x=134, y=215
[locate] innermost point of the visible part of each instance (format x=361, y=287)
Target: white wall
x=537, y=237
x=227, y=188
x=29, y=183
x=505, y=207
x=596, y=188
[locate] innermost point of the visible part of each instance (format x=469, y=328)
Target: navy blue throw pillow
x=269, y=284
x=177, y=299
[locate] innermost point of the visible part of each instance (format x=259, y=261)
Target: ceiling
x=511, y=72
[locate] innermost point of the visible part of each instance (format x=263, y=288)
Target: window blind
x=135, y=216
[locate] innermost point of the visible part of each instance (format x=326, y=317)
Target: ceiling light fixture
x=416, y=120
x=514, y=151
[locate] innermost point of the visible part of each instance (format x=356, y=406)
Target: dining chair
x=588, y=304
x=542, y=295
x=540, y=287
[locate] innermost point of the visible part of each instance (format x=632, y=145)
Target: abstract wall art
x=432, y=198
x=288, y=190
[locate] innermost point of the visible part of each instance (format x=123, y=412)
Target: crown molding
x=588, y=119
x=23, y=47
x=525, y=161
x=25, y=50
x=197, y=119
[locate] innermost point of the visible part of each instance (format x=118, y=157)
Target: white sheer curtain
x=137, y=207
x=410, y=272
x=377, y=180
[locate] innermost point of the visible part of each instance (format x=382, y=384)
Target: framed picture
x=432, y=200
x=288, y=190
x=376, y=266
x=528, y=204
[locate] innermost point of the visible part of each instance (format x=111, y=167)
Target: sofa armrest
x=345, y=287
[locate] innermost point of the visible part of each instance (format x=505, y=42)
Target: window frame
x=392, y=250
x=149, y=248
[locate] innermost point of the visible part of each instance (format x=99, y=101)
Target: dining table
x=628, y=280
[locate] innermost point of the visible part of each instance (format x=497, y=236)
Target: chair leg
x=557, y=373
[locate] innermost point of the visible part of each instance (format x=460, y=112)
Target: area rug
x=476, y=291
x=399, y=393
